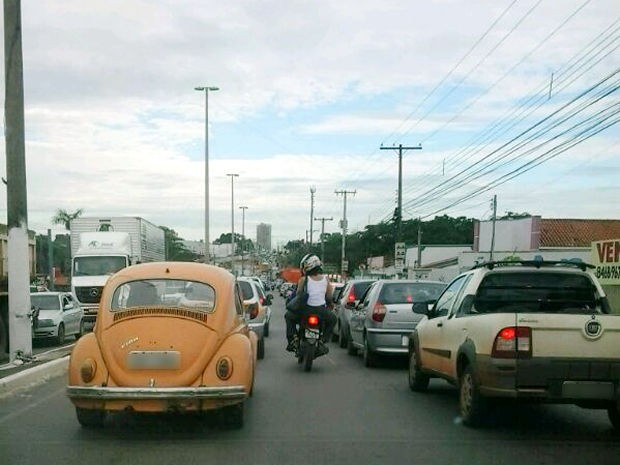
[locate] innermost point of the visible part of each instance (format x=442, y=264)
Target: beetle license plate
x=154, y=360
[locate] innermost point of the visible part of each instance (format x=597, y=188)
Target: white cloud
x=309, y=90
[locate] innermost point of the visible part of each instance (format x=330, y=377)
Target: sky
x=505, y=98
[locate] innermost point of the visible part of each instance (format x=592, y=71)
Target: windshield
x=98, y=266
x=45, y=302
x=402, y=293
x=164, y=293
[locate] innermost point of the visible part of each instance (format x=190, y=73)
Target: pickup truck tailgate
x=569, y=347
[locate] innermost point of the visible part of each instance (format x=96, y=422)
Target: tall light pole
x=312, y=192
x=243, y=209
x=206, y=90
x=232, y=216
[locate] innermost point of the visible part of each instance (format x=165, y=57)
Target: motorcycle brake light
x=313, y=320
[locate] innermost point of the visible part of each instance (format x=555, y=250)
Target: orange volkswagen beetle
x=170, y=337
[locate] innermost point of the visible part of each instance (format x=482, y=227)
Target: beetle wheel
x=90, y=418
x=260, y=349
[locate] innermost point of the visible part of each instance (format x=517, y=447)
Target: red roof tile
x=576, y=233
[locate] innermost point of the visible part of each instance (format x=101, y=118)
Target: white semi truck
x=102, y=246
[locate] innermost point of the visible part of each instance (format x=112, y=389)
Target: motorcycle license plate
x=312, y=334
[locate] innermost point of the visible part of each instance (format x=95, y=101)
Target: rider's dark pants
x=327, y=317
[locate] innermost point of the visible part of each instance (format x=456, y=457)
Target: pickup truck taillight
x=378, y=312
x=513, y=342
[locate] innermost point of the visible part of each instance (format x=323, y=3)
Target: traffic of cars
x=186, y=337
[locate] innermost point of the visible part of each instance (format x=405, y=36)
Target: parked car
x=348, y=298
x=532, y=331
x=383, y=320
x=256, y=301
x=151, y=353
x=58, y=315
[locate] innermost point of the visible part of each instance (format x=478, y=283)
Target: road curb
x=33, y=376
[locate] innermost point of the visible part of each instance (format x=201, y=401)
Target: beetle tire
x=90, y=418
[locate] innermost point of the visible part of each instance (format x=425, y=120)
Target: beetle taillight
x=513, y=342
x=378, y=312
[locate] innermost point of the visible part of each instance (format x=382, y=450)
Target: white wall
x=515, y=234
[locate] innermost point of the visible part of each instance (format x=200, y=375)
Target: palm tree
x=64, y=217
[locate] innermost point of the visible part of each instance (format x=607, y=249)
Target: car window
x=45, y=302
x=536, y=292
x=446, y=300
x=152, y=293
x=247, y=292
x=238, y=301
x=404, y=292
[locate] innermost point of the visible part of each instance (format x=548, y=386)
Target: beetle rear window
x=164, y=293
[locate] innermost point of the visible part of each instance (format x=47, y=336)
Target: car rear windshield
x=164, y=292
x=246, y=290
x=402, y=293
x=536, y=292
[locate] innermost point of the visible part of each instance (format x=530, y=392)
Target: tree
x=64, y=217
x=175, y=249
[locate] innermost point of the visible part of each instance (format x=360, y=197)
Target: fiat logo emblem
x=94, y=292
x=593, y=328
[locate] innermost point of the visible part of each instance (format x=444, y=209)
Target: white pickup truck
x=532, y=331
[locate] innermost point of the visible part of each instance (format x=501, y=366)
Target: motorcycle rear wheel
x=309, y=356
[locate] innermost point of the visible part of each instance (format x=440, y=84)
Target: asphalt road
x=340, y=413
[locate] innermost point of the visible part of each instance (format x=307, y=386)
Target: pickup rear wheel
x=613, y=412
x=471, y=403
x=418, y=381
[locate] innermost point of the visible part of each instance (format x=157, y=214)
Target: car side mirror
x=421, y=308
x=350, y=305
x=268, y=299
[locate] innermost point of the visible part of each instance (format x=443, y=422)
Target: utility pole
x=323, y=220
x=312, y=191
x=419, y=242
x=50, y=260
x=232, y=220
x=399, y=207
x=20, y=329
x=493, y=231
x=343, y=225
x=243, y=209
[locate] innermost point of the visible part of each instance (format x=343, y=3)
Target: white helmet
x=311, y=263
x=302, y=263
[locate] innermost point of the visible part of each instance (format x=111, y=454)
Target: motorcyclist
x=319, y=302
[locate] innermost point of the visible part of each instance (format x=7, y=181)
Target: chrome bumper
x=142, y=393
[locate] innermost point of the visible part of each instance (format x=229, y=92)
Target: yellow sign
x=606, y=258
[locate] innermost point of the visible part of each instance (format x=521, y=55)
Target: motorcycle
x=309, y=332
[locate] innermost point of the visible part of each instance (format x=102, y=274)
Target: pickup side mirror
x=421, y=308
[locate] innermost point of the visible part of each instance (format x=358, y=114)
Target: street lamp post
x=243, y=209
x=232, y=217
x=206, y=90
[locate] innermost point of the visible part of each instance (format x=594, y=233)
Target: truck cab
x=100, y=255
